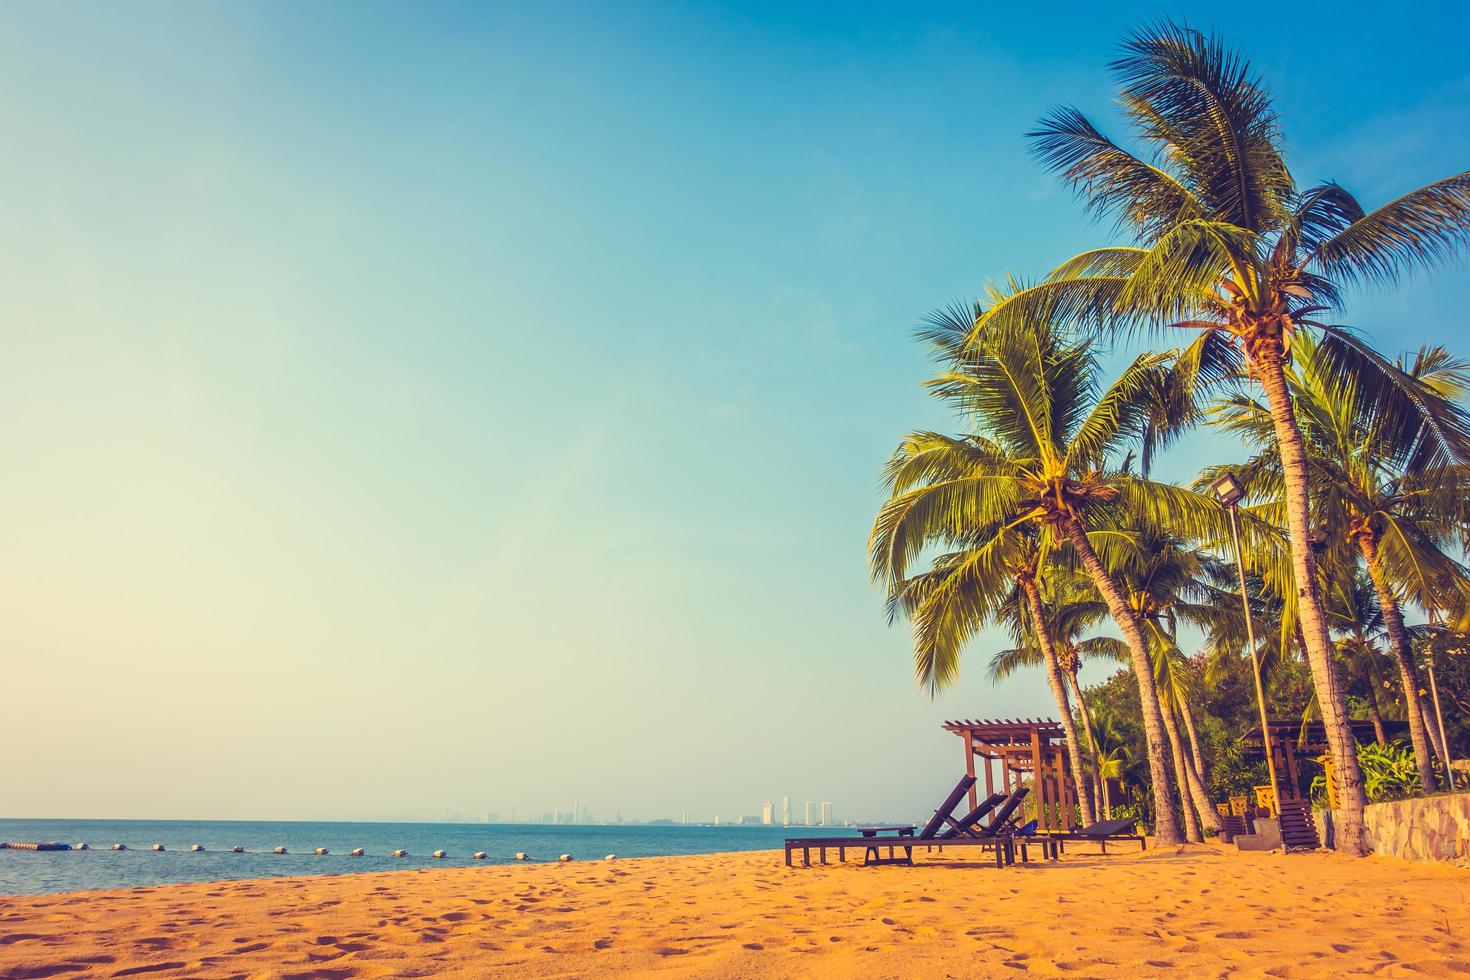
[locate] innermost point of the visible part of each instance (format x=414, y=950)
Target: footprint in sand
x=133, y=971
x=758, y=946
x=605, y=943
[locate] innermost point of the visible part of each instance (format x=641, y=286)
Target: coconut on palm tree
x=1228, y=245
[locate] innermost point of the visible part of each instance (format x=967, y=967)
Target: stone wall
x=1435, y=828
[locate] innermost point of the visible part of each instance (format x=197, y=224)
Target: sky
x=421, y=409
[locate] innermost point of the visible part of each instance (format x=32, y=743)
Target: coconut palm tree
x=1357, y=620
x=1227, y=245
x=997, y=572
x=1065, y=610
x=1163, y=582
x=1043, y=452
x=1371, y=480
x=1113, y=756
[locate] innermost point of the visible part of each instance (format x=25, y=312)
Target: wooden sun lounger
x=1102, y=832
x=1003, y=828
x=997, y=836
x=872, y=843
x=967, y=823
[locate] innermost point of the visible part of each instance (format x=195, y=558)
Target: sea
x=40, y=872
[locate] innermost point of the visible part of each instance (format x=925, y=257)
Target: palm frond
x=1418, y=230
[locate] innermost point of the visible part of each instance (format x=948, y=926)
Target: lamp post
x=1449, y=762
x=1229, y=492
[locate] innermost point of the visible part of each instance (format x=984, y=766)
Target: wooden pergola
x=1034, y=747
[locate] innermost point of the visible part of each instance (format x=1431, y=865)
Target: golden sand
x=1198, y=911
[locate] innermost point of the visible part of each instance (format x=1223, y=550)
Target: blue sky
x=429, y=408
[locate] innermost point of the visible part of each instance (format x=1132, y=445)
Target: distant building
x=786, y=811
x=768, y=811
x=808, y=820
x=750, y=821
x=826, y=814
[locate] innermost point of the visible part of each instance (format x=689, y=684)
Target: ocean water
x=38, y=872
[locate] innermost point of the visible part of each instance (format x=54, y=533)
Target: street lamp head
x=1227, y=489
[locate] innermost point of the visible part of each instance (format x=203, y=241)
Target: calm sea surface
x=36, y=872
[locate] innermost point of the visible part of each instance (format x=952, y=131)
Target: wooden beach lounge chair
x=971, y=820
x=872, y=843
x=1009, y=835
x=1102, y=832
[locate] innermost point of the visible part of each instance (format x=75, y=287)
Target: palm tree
x=997, y=572
x=1064, y=613
x=1227, y=245
x=1161, y=580
x=1113, y=756
x=1043, y=454
x=1357, y=619
x=1371, y=478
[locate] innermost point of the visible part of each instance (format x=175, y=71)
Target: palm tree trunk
x=1326, y=678
x=1102, y=781
x=1193, y=771
x=1188, y=716
x=1059, y=691
x=1192, y=830
x=1378, y=733
x=1166, y=824
x=1107, y=798
x=1433, y=735
x=1403, y=655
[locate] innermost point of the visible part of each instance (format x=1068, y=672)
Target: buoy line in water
x=237, y=849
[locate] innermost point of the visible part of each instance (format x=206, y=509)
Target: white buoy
x=237, y=849
x=564, y=858
x=479, y=855
x=611, y=857
x=279, y=850
x=521, y=856
x=400, y=854
x=441, y=854
x=196, y=848
x=119, y=847
x=357, y=852
x=80, y=847
x=321, y=852
x=157, y=847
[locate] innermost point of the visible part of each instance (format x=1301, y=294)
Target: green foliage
x=1389, y=773
x=1232, y=774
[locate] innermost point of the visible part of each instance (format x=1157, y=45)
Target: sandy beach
x=1201, y=911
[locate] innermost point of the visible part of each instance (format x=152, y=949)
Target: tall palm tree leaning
x=1370, y=480
x=1043, y=454
x=1227, y=245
